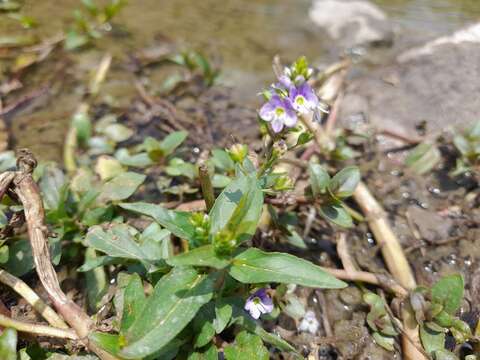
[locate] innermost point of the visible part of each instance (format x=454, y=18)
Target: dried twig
x=37, y=329
x=33, y=299
x=342, y=250
x=369, y=278
x=396, y=263
x=71, y=143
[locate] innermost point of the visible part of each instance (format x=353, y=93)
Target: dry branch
x=33, y=299
x=37, y=329
x=396, y=262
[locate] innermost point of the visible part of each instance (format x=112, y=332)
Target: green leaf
x=431, y=340
x=96, y=282
x=462, y=145
x=108, y=342
x=8, y=344
x=255, y=266
x=222, y=160
x=156, y=242
x=238, y=208
x=178, y=167
x=247, y=346
x=133, y=302
x=444, y=355
x=74, y=40
x=118, y=132
x=140, y=160
x=8, y=160
x=448, y=291
x=52, y=185
x=201, y=256
x=172, y=141
x=386, y=342
x=203, y=325
x=108, y=167
x=209, y=353
x=9, y=6
x=319, y=179
x=220, y=181
x=343, y=184
x=336, y=213
x=176, y=299
x=20, y=258
x=423, y=158
x=93, y=263
x=117, y=241
x=83, y=126
x=178, y=222
x=121, y=186
x=223, y=314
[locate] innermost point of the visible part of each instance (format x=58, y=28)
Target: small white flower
x=259, y=303
x=309, y=323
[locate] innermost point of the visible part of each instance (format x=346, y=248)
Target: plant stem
x=206, y=185
x=37, y=329
x=33, y=299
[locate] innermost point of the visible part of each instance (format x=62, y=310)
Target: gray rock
x=352, y=23
x=437, y=82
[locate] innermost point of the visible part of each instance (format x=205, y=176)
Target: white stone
x=356, y=22
x=470, y=34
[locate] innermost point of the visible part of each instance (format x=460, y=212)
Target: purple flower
x=259, y=303
x=303, y=98
x=279, y=112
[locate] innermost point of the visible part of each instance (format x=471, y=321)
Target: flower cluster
x=290, y=97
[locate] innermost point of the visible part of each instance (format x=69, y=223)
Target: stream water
x=244, y=34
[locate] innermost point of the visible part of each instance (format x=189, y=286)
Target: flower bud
x=279, y=149
x=224, y=243
x=283, y=182
x=238, y=152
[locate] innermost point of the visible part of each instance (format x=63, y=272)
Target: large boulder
x=352, y=22
x=437, y=82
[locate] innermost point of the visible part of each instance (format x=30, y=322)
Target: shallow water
x=243, y=34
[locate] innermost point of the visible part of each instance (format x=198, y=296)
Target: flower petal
x=267, y=111
x=277, y=125
x=255, y=312
x=308, y=93
x=290, y=118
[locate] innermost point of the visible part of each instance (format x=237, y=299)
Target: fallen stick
x=33, y=299
x=396, y=262
x=37, y=329
x=369, y=278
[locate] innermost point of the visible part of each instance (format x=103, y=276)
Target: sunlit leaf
x=255, y=266
x=121, y=186
x=176, y=299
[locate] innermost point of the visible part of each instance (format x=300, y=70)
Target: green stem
x=353, y=213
